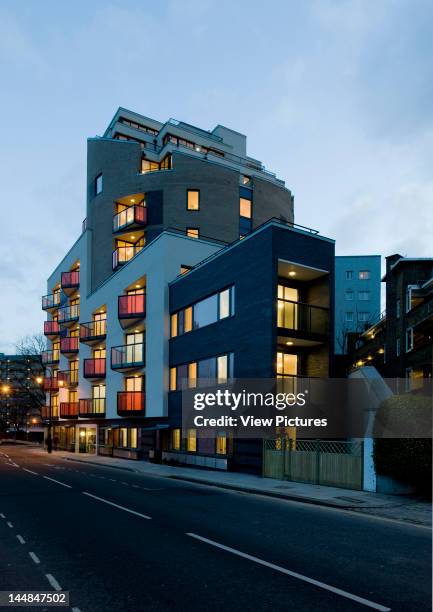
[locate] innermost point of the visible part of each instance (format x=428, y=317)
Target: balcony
x=69, y=410
x=131, y=309
x=69, y=314
x=50, y=357
x=47, y=410
x=51, y=301
x=51, y=384
x=69, y=345
x=92, y=407
x=70, y=281
x=303, y=320
x=127, y=356
x=133, y=217
x=94, y=368
x=93, y=331
x=123, y=254
x=131, y=403
x=51, y=328
x=68, y=378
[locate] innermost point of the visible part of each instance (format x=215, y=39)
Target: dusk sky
x=335, y=97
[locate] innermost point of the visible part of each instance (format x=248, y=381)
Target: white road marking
x=30, y=471
x=53, y=582
x=34, y=557
x=125, y=483
x=9, y=524
x=58, y=482
x=75, y=610
x=283, y=570
x=106, y=501
x=112, y=479
x=2, y=516
x=21, y=539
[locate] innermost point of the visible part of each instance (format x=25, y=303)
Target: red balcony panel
x=68, y=410
x=45, y=413
x=51, y=384
x=69, y=345
x=130, y=402
x=70, y=279
x=132, y=306
x=51, y=328
x=67, y=378
x=134, y=216
x=94, y=368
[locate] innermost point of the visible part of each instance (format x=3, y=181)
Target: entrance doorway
x=87, y=440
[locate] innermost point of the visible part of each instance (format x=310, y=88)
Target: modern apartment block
x=189, y=266
x=400, y=344
x=357, y=296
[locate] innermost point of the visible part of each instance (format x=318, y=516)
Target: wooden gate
x=327, y=462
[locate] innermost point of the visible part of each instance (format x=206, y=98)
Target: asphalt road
x=120, y=541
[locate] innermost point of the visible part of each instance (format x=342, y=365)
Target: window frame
x=97, y=190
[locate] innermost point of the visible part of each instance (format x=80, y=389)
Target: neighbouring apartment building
x=400, y=343
x=189, y=266
x=357, y=296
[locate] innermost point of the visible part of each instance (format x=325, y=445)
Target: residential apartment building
x=21, y=393
x=400, y=344
x=357, y=296
x=189, y=266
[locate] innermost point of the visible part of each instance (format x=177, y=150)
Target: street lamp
x=39, y=380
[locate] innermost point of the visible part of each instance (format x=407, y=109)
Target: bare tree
x=31, y=345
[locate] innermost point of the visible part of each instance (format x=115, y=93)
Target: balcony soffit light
x=292, y=273
x=289, y=343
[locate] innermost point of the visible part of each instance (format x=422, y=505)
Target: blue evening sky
x=336, y=97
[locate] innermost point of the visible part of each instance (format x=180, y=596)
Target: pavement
x=407, y=509
x=125, y=541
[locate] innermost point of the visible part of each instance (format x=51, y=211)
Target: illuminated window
x=174, y=325
x=173, y=385
x=221, y=443
x=175, y=439
x=193, y=199
x=187, y=326
x=364, y=274
x=192, y=375
x=149, y=166
x=133, y=437
x=191, y=441
x=245, y=208
x=98, y=184
x=184, y=269
x=192, y=232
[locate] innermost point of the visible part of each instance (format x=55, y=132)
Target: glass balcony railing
x=69, y=314
x=50, y=301
x=92, y=407
x=302, y=318
x=124, y=254
x=94, y=368
x=130, y=403
x=127, y=356
x=50, y=357
x=68, y=410
x=51, y=328
x=70, y=280
x=131, y=306
x=93, y=330
x=68, y=378
x=51, y=384
x=49, y=412
x=69, y=345
x=134, y=216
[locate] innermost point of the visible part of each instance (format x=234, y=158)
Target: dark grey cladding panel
x=154, y=204
x=252, y=268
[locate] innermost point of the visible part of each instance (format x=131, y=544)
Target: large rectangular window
x=213, y=370
x=175, y=439
x=205, y=312
x=193, y=199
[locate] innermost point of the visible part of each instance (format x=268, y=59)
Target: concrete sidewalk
x=400, y=508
